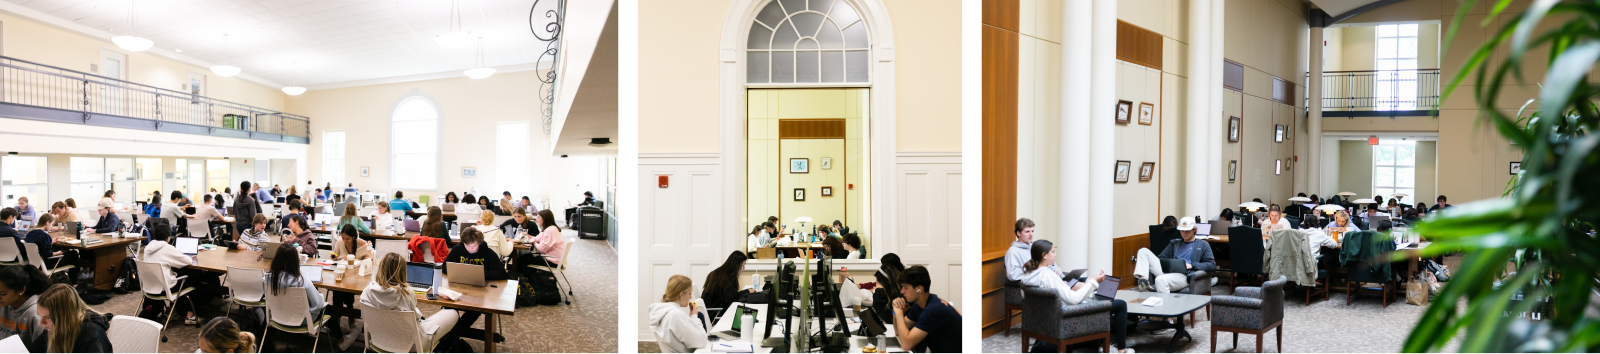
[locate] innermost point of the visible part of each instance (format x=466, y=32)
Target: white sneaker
x=349, y=339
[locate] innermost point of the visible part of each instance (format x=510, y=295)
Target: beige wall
x=771, y=186
x=1355, y=168
x=45, y=44
x=684, y=70
x=1356, y=47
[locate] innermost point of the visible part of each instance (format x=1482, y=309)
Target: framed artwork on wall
x=469, y=172
x=1233, y=170
x=827, y=191
x=1288, y=132
x=1122, y=170
x=364, y=171
x=800, y=165
x=1279, y=169
x=1147, y=171
x=1147, y=113
x=827, y=163
x=1124, y=111
x=1516, y=167
x=1233, y=129
x=799, y=194
x=1278, y=134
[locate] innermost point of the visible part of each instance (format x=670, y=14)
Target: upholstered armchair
x=1064, y=325
x=1250, y=310
x=1013, y=303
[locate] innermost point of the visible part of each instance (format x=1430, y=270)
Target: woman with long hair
x=389, y=290
x=222, y=335
x=300, y=234
x=284, y=274
x=549, y=242
x=435, y=215
x=70, y=325
x=351, y=219
x=722, y=284
x=451, y=198
x=349, y=244
x=673, y=319
x=1037, y=272
x=383, y=220
x=1169, y=223
x=833, y=248
x=888, y=289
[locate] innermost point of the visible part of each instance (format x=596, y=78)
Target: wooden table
x=330, y=230
x=107, y=255
x=499, y=298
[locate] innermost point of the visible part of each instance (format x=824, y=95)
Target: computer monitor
x=776, y=295
x=280, y=200
x=825, y=304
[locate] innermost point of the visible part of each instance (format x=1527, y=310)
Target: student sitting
x=63, y=214
x=383, y=221
x=473, y=251
x=832, y=248
x=1038, y=274
x=852, y=243
x=676, y=329
x=8, y=224
x=20, y=286
x=435, y=215
x=351, y=219
x=923, y=322
x=109, y=222
x=505, y=204
x=722, y=284
x=40, y=236
x=352, y=246
x=70, y=325
x=1020, y=253
x=888, y=290
x=483, y=204
x=399, y=202
x=295, y=208
x=1273, y=222
x=388, y=290
x=549, y=242
x=161, y=252
x=284, y=274
x=222, y=335
x=521, y=220
x=468, y=206
x=1196, y=256
x=492, y=237
x=253, y=238
x=25, y=211
x=300, y=234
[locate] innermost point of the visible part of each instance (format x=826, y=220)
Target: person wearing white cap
x=1196, y=256
x=1020, y=253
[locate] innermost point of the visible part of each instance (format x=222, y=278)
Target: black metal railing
x=27, y=83
x=1380, y=90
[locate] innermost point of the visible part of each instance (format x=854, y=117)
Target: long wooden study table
x=106, y=252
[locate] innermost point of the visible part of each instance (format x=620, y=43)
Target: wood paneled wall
x=1122, y=251
x=1138, y=45
x=1001, y=19
x=1283, y=91
x=811, y=129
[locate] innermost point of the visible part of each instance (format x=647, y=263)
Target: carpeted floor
x=1364, y=326
x=589, y=325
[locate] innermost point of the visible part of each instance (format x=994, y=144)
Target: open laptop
x=1202, y=229
x=188, y=245
x=466, y=274
x=1108, y=288
x=270, y=249
x=420, y=276
x=312, y=273
x=738, y=317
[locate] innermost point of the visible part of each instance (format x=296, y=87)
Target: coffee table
x=1172, y=306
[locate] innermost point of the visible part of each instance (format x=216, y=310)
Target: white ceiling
x=1339, y=7
x=332, y=40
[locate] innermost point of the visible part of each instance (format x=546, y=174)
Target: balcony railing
x=1380, y=90
x=36, y=91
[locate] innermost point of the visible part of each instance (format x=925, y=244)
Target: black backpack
x=537, y=287
x=128, y=280
x=93, y=296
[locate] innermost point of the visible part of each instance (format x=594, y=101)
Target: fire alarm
x=662, y=181
x=850, y=186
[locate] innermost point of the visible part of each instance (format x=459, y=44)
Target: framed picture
x=469, y=172
x=1233, y=170
x=1233, y=129
x=1516, y=167
x=827, y=163
x=799, y=194
x=827, y=191
x=364, y=171
x=1278, y=135
x=1279, y=169
x=1147, y=171
x=800, y=165
x=1147, y=113
x=1124, y=111
x=1122, y=170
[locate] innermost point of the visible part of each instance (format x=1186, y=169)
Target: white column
x=1314, y=118
x=1103, y=66
x=1073, y=252
x=1196, y=180
x=1218, y=120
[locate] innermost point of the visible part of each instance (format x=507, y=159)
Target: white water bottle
x=748, y=331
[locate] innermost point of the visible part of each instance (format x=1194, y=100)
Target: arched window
x=414, y=144
x=800, y=41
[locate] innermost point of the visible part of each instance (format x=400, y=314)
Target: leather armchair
x=1064, y=325
x=1251, y=310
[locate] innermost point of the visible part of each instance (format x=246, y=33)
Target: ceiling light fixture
x=226, y=70
x=295, y=90
x=481, y=71
x=456, y=38
x=130, y=42
x=599, y=142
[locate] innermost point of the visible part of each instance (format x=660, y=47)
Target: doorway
x=808, y=157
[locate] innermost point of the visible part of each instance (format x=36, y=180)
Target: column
x=1314, y=118
x=1103, y=63
x=1076, y=39
x=1196, y=182
x=1218, y=122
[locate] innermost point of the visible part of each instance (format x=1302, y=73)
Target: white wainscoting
x=928, y=186
x=679, y=226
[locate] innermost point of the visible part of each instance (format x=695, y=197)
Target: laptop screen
x=188, y=245
x=1202, y=229
x=419, y=274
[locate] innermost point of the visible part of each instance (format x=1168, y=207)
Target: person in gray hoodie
x=673, y=319
x=20, y=286
x=388, y=291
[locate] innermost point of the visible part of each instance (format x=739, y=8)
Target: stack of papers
x=12, y=344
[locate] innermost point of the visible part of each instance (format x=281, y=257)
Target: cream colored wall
x=770, y=186
x=819, y=208
x=1355, y=168
x=471, y=109
x=680, y=83
x=44, y=44
x=1427, y=172
x=1271, y=41
x=1357, y=51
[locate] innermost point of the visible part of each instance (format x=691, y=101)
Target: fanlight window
x=808, y=41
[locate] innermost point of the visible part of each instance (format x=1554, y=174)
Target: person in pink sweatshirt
x=549, y=242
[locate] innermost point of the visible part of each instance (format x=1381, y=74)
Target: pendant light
x=456, y=38
x=130, y=42
x=226, y=70
x=481, y=71
x=295, y=90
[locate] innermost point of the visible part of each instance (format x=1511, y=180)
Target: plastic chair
x=10, y=254
x=33, y=251
x=426, y=256
x=153, y=281
x=561, y=269
x=198, y=227
x=422, y=199
x=401, y=334
x=246, y=287
x=289, y=310
x=131, y=334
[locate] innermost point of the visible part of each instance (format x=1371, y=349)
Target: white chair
x=401, y=333
x=10, y=254
x=383, y=247
x=427, y=256
x=289, y=310
x=198, y=227
x=131, y=334
x=561, y=269
x=36, y=261
x=247, y=287
x=153, y=281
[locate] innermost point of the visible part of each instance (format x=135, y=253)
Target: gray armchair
x=1013, y=303
x=1251, y=310
x=1064, y=325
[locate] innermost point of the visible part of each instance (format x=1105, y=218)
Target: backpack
x=537, y=287
x=93, y=296
x=128, y=280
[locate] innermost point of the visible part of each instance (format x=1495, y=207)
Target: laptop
x=419, y=275
x=1072, y=276
x=270, y=249
x=1202, y=229
x=733, y=334
x=466, y=274
x=1108, y=288
x=312, y=273
x=188, y=245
